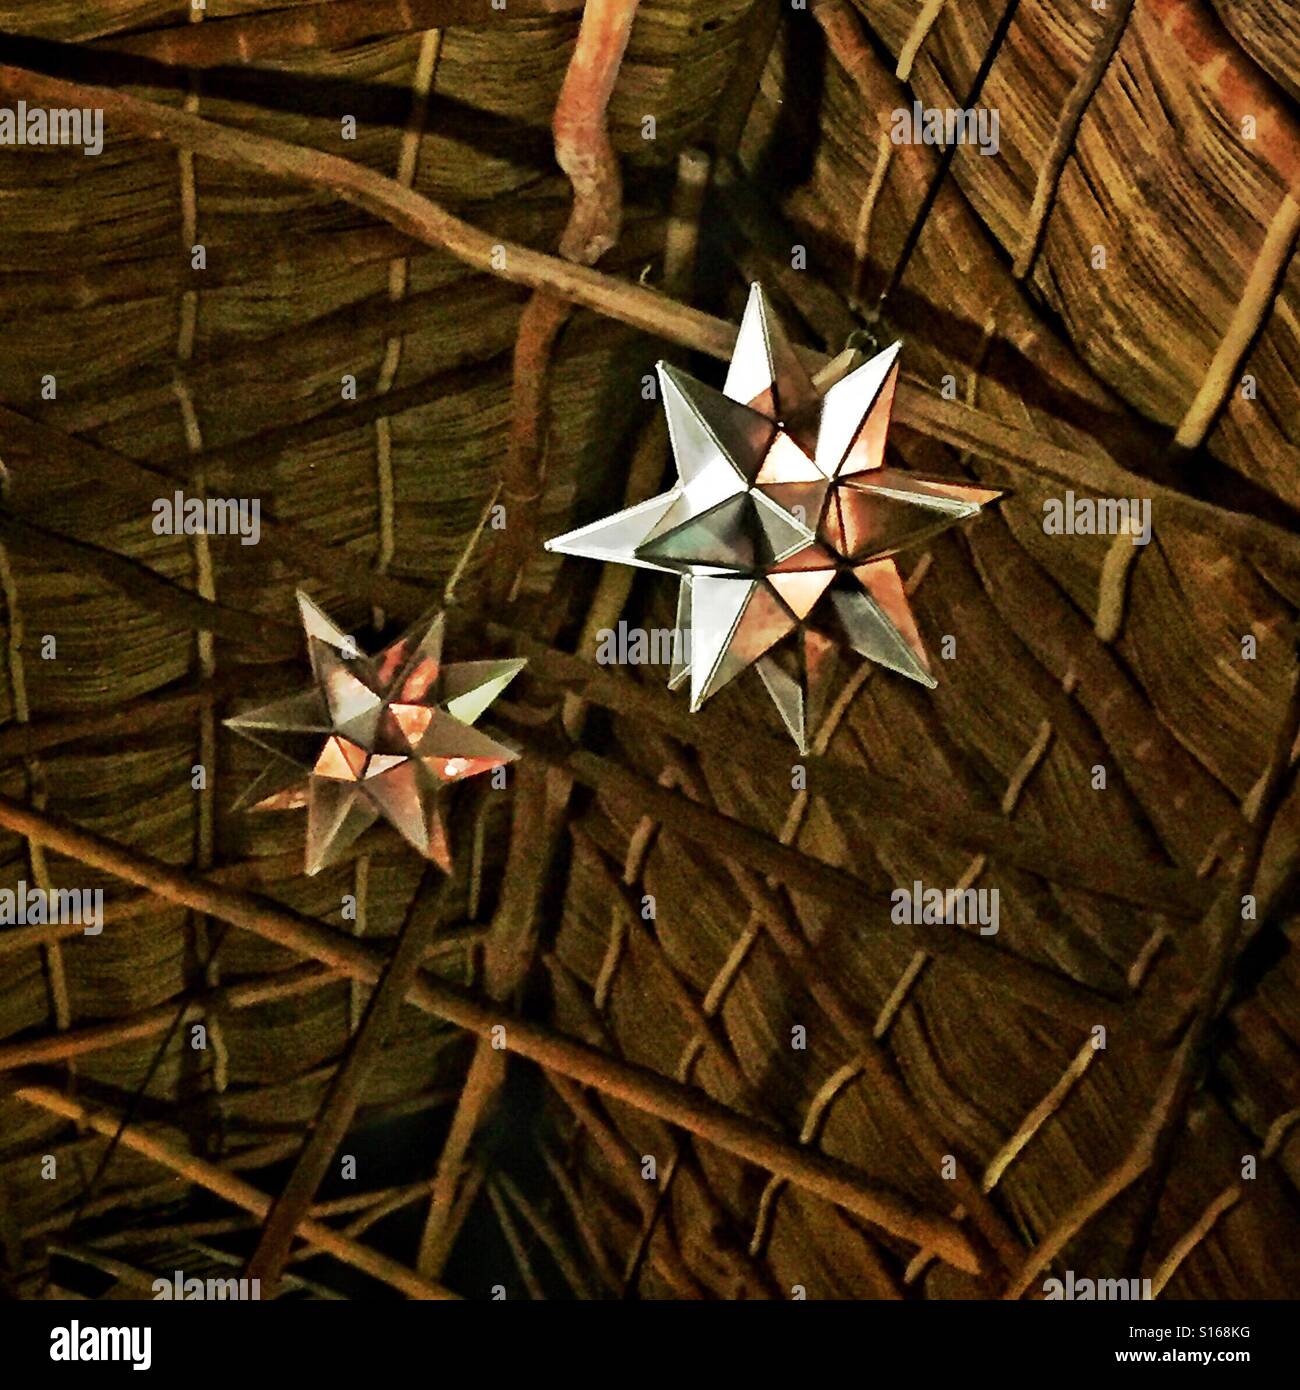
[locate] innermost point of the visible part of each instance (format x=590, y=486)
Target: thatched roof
x=834, y=1102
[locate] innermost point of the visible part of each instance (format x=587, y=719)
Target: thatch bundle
x=779, y=1088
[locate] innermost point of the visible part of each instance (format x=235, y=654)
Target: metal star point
x=783, y=523
x=375, y=736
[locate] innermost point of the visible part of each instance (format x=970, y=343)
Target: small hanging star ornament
x=783, y=524
x=375, y=736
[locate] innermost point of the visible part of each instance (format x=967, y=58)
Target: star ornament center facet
x=375, y=736
x=784, y=523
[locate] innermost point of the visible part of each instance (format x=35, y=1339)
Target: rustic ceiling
x=399, y=270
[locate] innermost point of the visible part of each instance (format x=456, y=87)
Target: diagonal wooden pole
x=1102, y=870
x=1024, y=979
x=99, y=466
x=637, y=1086
x=345, y=1091
x=954, y=423
x=235, y=1190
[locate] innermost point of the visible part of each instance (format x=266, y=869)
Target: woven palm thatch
x=661, y=1037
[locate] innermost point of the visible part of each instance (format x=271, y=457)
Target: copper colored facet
x=786, y=462
x=801, y=588
x=334, y=762
x=412, y=720
x=867, y=451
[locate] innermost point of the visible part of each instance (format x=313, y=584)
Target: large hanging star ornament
x=375, y=736
x=783, y=523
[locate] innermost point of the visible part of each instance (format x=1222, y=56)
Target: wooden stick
x=146, y=586
x=344, y=1094
x=637, y=1086
x=386, y=198
x=959, y=425
x=581, y=1215
x=515, y=1241
x=1107, y=872
x=99, y=1037
x=548, y=1234
x=621, y=1160
x=234, y=1190
x=509, y=949
x=98, y=465
x=585, y=152
x=244, y=39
